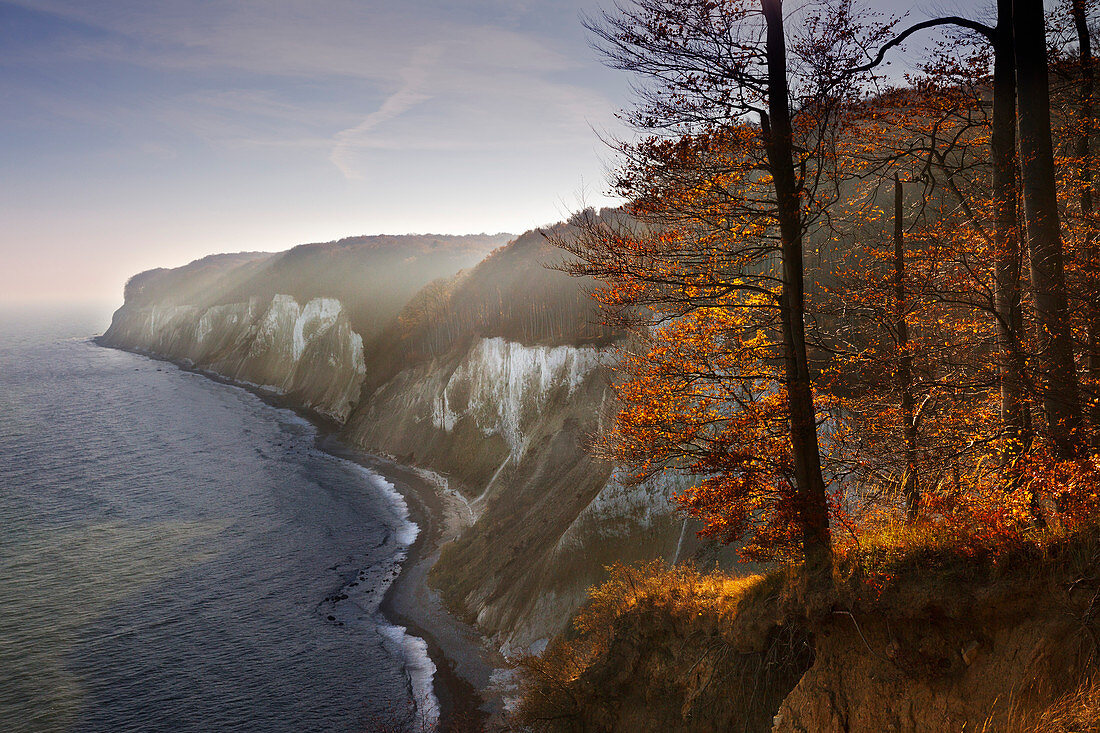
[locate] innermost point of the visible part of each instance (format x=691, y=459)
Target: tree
x=1006, y=236
x=778, y=134
x=1061, y=398
x=1015, y=417
x=1090, y=254
x=729, y=179
x=903, y=345
x=910, y=481
x=909, y=302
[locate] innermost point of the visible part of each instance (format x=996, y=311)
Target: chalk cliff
x=307, y=352
x=494, y=376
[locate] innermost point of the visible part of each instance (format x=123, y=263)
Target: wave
x=406, y=531
x=419, y=671
x=411, y=651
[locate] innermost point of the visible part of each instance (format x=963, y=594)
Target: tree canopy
x=837, y=316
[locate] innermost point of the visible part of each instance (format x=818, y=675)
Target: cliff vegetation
x=920, y=636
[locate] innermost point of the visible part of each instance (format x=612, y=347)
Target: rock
x=970, y=651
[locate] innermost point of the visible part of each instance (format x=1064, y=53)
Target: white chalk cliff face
x=309, y=353
x=508, y=423
x=504, y=386
x=511, y=424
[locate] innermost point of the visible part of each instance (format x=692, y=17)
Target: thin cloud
x=161, y=125
x=411, y=93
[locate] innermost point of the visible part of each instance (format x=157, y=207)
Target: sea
x=176, y=554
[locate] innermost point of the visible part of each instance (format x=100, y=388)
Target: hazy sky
x=144, y=133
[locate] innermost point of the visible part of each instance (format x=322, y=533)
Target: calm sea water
x=176, y=555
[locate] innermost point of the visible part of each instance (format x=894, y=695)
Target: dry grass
x=553, y=692
x=1077, y=712
x=681, y=589
x=909, y=552
x=893, y=569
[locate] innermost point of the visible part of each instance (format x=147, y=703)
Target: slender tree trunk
x=910, y=486
x=812, y=499
x=1061, y=397
x=1091, y=256
x=1006, y=240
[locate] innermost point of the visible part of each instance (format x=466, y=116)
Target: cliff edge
x=941, y=643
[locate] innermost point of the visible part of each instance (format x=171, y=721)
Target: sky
x=148, y=133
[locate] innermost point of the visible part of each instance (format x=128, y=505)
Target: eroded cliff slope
x=945, y=642
x=495, y=377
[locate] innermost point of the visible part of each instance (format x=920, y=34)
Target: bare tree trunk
x=1061, y=397
x=812, y=500
x=1092, y=260
x=910, y=486
x=1006, y=239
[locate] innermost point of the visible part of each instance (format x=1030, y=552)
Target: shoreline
x=460, y=655
x=463, y=672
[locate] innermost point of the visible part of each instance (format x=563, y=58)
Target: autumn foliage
x=933, y=343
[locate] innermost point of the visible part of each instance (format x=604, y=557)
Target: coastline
x=460, y=655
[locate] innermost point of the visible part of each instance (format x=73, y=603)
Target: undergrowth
x=891, y=565
x=1077, y=712
x=553, y=691
x=893, y=554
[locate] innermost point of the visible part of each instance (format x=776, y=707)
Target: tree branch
x=973, y=25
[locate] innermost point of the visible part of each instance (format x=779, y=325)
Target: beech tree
x=1015, y=416
x=727, y=182
x=910, y=304
x=1005, y=195
x=1090, y=253
x=1018, y=43
x=1061, y=398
